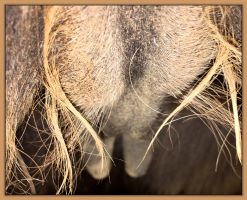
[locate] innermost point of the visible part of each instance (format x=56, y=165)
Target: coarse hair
x=202, y=99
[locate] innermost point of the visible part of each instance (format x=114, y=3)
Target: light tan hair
x=228, y=62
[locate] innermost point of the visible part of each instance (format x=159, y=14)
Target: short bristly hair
x=204, y=98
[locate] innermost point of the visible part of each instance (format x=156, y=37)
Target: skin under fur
x=100, y=73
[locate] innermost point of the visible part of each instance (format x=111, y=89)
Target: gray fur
x=122, y=64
